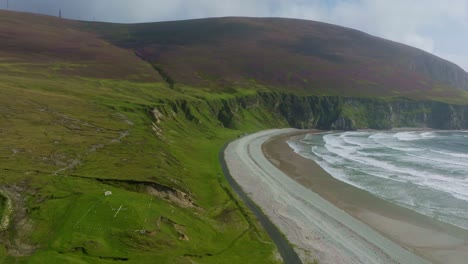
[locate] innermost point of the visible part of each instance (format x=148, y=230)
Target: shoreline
x=435, y=241
x=318, y=229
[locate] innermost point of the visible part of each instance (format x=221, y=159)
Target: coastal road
x=319, y=230
x=284, y=247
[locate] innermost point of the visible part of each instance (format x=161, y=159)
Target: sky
x=436, y=26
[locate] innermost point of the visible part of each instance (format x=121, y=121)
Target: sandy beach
x=329, y=220
x=434, y=240
x=317, y=228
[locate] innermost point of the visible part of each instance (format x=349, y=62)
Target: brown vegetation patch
x=289, y=54
x=170, y=194
x=63, y=47
x=20, y=225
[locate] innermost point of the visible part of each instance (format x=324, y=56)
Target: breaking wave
x=423, y=171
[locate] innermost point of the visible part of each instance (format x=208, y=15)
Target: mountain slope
x=288, y=54
x=46, y=45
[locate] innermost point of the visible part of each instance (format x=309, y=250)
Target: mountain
x=67, y=50
x=111, y=132
x=287, y=54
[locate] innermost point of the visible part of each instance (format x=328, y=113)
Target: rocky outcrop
x=385, y=114
x=171, y=194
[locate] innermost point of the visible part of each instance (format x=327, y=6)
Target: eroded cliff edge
x=273, y=109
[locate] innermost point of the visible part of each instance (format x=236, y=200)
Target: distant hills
x=296, y=55
x=63, y=47
x=224, y=53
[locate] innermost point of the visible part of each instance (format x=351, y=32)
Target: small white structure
x=107, y=193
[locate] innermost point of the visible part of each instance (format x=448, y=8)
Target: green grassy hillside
x=80, y=117
x=63, y=149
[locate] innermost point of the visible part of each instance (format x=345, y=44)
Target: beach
x=329, y=220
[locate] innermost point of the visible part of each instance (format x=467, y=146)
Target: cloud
x=434, y=26
x=416, y=22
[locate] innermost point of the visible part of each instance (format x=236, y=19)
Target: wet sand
x=316, y=227
x=433, y=240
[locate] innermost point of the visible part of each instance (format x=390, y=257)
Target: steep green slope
x=70, y=135
x=67, y=141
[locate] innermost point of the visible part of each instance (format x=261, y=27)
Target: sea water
x=424, y=171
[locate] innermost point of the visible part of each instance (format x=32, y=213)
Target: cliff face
x=386, y=114
x=268, y=109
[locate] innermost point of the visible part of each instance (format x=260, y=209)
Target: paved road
x=285, y=249
x=309, y=221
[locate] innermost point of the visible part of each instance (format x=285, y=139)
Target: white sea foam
x=428, y=135
x=358, y=140
x=452, y=154
x=295, y=146
x=424, y=171
x=408, y=136
x=446, y=163
x=380, y=135
x=387, y=140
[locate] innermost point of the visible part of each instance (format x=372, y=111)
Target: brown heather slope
x=297, y=55
x=222, y=53
x=36, y=44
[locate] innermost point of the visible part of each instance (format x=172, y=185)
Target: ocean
x=423, y=171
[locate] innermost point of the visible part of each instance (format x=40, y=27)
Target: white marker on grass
x=118, y=210
x=147, y=211
x=91, y=208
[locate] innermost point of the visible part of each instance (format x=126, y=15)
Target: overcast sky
x=436, y=26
